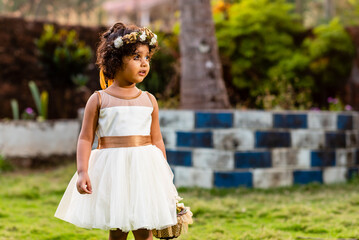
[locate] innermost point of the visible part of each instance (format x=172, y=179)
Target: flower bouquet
x=184, y=217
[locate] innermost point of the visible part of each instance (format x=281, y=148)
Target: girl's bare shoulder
x=152, y=97
x=93, y=101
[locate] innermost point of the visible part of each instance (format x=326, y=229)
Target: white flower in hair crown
x=153, y=40
x=142, y=35
x=118, y=42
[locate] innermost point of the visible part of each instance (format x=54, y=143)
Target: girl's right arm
x=84, y=144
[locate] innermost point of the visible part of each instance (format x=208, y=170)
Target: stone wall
x=260, y=148
x=31, y=143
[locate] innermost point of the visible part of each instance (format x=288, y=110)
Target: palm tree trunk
x=202, y=85
x=299, y=7
x=329, y=9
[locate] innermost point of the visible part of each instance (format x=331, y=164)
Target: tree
x=202, y=84
x=329, y=9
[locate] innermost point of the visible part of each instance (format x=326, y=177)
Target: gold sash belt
x=123, y=141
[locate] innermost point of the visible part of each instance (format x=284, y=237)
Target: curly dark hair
x=109, y=58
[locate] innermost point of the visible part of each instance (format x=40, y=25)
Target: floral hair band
x=143, y=35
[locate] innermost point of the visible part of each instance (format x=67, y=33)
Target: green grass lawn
x=28, y=201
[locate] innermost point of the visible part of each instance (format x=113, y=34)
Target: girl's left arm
x=156, y=135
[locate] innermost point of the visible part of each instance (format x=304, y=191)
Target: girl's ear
x=120, y=69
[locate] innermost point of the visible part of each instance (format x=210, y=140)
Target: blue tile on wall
x=322, y=158
x=195, y=139
x=179, y=158
x=271, y=139
x=252, y=159
x=233, y=179
x=335, y=140
x=352, y=172
x=214, y=120
x=307, y=176
x=290, y=120
x=344, y=122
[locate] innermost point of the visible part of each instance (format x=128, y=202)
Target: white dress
x=132, y=187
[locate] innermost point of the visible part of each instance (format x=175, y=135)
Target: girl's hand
x=83, y=184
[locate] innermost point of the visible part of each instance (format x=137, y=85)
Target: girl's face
x=135, y=67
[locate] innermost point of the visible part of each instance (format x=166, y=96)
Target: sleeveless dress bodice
x=122, y=117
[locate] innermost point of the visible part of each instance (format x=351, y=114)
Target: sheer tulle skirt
x=132, y=188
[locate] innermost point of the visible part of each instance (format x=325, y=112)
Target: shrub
x=271, y=61
x=256, y=36
x=331, y=52
x=79, y=80
x=62, y=54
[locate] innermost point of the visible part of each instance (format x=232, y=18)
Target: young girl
x=126, y=183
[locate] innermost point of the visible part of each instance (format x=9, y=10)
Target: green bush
x=256, y=36
x=62, y=54
x=331, y=52
x=274, y=62
x=80, y=79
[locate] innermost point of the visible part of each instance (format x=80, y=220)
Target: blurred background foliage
x=63, y=56
x=91, y=12
x=84, y=12
x=281, y=54
x=274, y=61
x=315, y=12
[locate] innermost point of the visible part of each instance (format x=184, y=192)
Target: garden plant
x=274, y=61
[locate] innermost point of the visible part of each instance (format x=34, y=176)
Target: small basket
x=170, y=232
